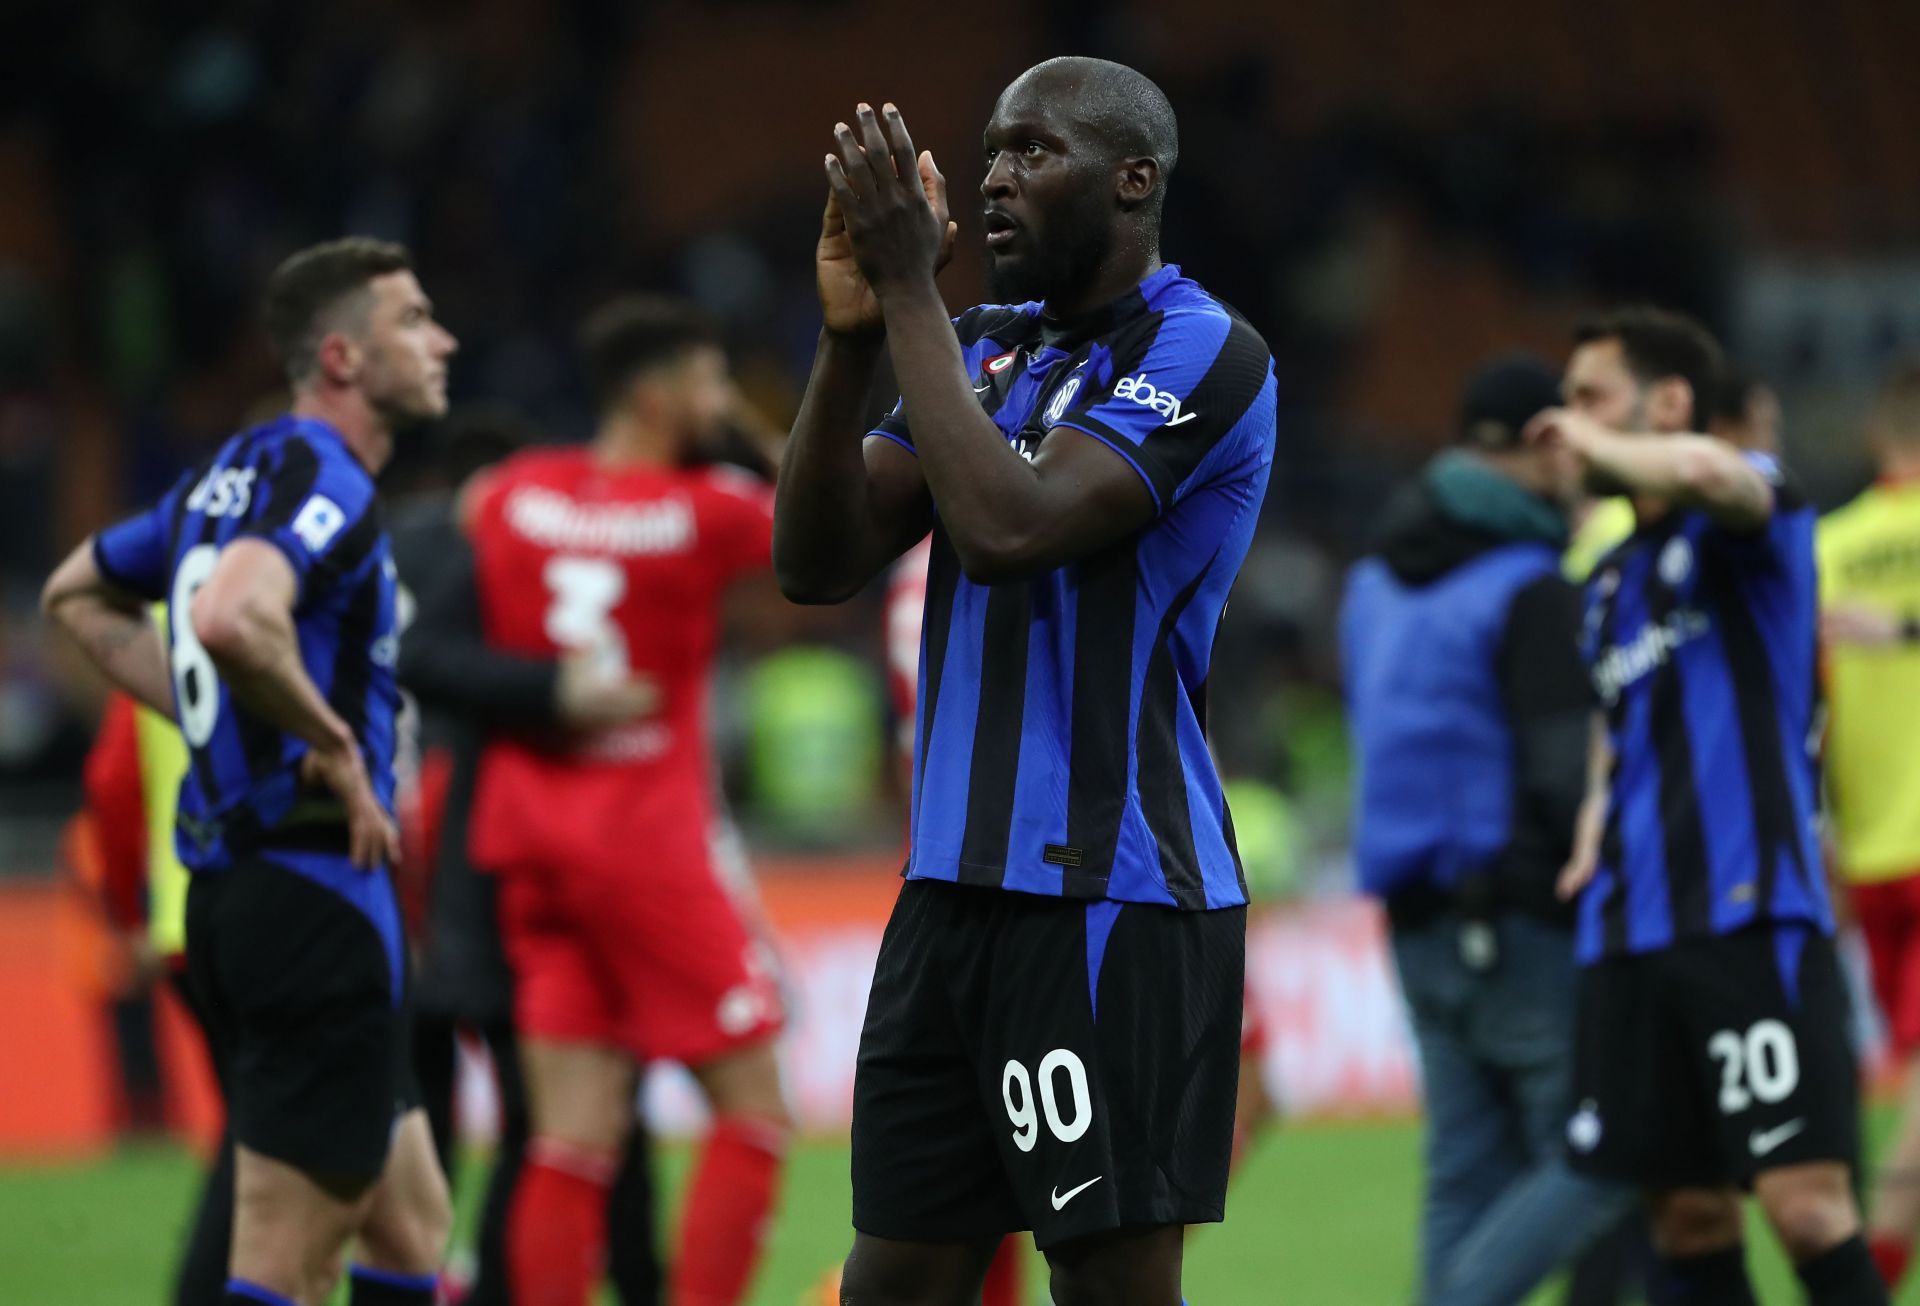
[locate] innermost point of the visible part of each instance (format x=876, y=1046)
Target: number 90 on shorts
x=1018, y=1091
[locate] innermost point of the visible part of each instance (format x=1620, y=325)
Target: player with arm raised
x=281, y=606
x=1052, y=1039
x=1712, y=1047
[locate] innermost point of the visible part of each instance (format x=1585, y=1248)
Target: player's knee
x=746, y=1082
x=1809, y=1212
x=433, y=1226
x=880, y=1273
x=1095, y=1284
x=411, y=1237
x=1695, y=1222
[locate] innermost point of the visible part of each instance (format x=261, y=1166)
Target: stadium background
x=1389, y=190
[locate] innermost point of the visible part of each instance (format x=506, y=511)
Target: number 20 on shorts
x=1762, y=1064
x=1017, y=1089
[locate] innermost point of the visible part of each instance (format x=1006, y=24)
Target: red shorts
x=1889, y=915
x=654, y=950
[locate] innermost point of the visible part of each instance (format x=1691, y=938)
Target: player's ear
x=1137, y=182
x=337, y=357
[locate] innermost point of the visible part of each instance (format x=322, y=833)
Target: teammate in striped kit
x=282, y=620
x=1052, y=1040
x=1712, y=1047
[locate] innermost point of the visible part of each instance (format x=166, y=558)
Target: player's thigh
x=1641, y=1111
x=1125, y=1267
x=320, y=1053
x=927, y=1168
x=558, y=991
x=1109, y=1039
x=1768, y=1019
x=1810, y=1206
x=288, y=1228
x=407, y=1222
x=744, y=1081
x=888, y=1272
x=579, y=1094
x=688, y=978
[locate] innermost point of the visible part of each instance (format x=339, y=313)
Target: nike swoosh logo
x=982, y=389
x=1061, y=1199
x=1762, y=1143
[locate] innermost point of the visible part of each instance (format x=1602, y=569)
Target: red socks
x=557, y=1227
x=1890, y=1256
x=728, y=1206
x=1002, y=1287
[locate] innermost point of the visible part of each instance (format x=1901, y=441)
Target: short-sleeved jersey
x=1700, y=642
x=295, y=484
x=1870, y=554
x=1059, y=741
x=629, y=563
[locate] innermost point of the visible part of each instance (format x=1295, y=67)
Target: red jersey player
x=623, y=907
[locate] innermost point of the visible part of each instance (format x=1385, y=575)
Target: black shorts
x=993, y=1093
x=1708, y=1062
x=299, y=1000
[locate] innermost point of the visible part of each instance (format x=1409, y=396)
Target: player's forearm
x=111, y=627
x=992, y=502
x=1599, y=762
x=446, y=662
x=456, y=674
x=1697, y=471
x=124, y=644
x=256, y=651
x=824, y=524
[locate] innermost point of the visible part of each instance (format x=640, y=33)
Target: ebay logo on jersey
x=1145, y=393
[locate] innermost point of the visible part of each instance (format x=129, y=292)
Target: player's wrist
x=864, y=340
x=908, y=288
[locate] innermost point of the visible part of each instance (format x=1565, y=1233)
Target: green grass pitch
x=1323, y=1215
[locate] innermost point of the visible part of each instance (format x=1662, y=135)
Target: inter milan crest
x=1676, y=561
x=1057, y=406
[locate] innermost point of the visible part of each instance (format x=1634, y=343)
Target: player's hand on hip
x=372, y=838
x=890, y=203
x=590, y=695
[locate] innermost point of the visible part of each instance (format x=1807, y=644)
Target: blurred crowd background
x=1388, y=189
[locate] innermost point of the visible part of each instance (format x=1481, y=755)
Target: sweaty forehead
x=1043, y=99
x=1598, y=362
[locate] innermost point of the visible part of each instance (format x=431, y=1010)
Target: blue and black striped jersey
x=1701, y=644
x=294, y=483
x=1059, y=744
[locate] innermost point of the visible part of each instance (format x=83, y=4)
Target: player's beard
x=401, y=404
x=1060, y=258
x=1598, y=483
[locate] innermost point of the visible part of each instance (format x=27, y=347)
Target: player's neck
x=1126, y=268
x=347, y=411
x=623, y=441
